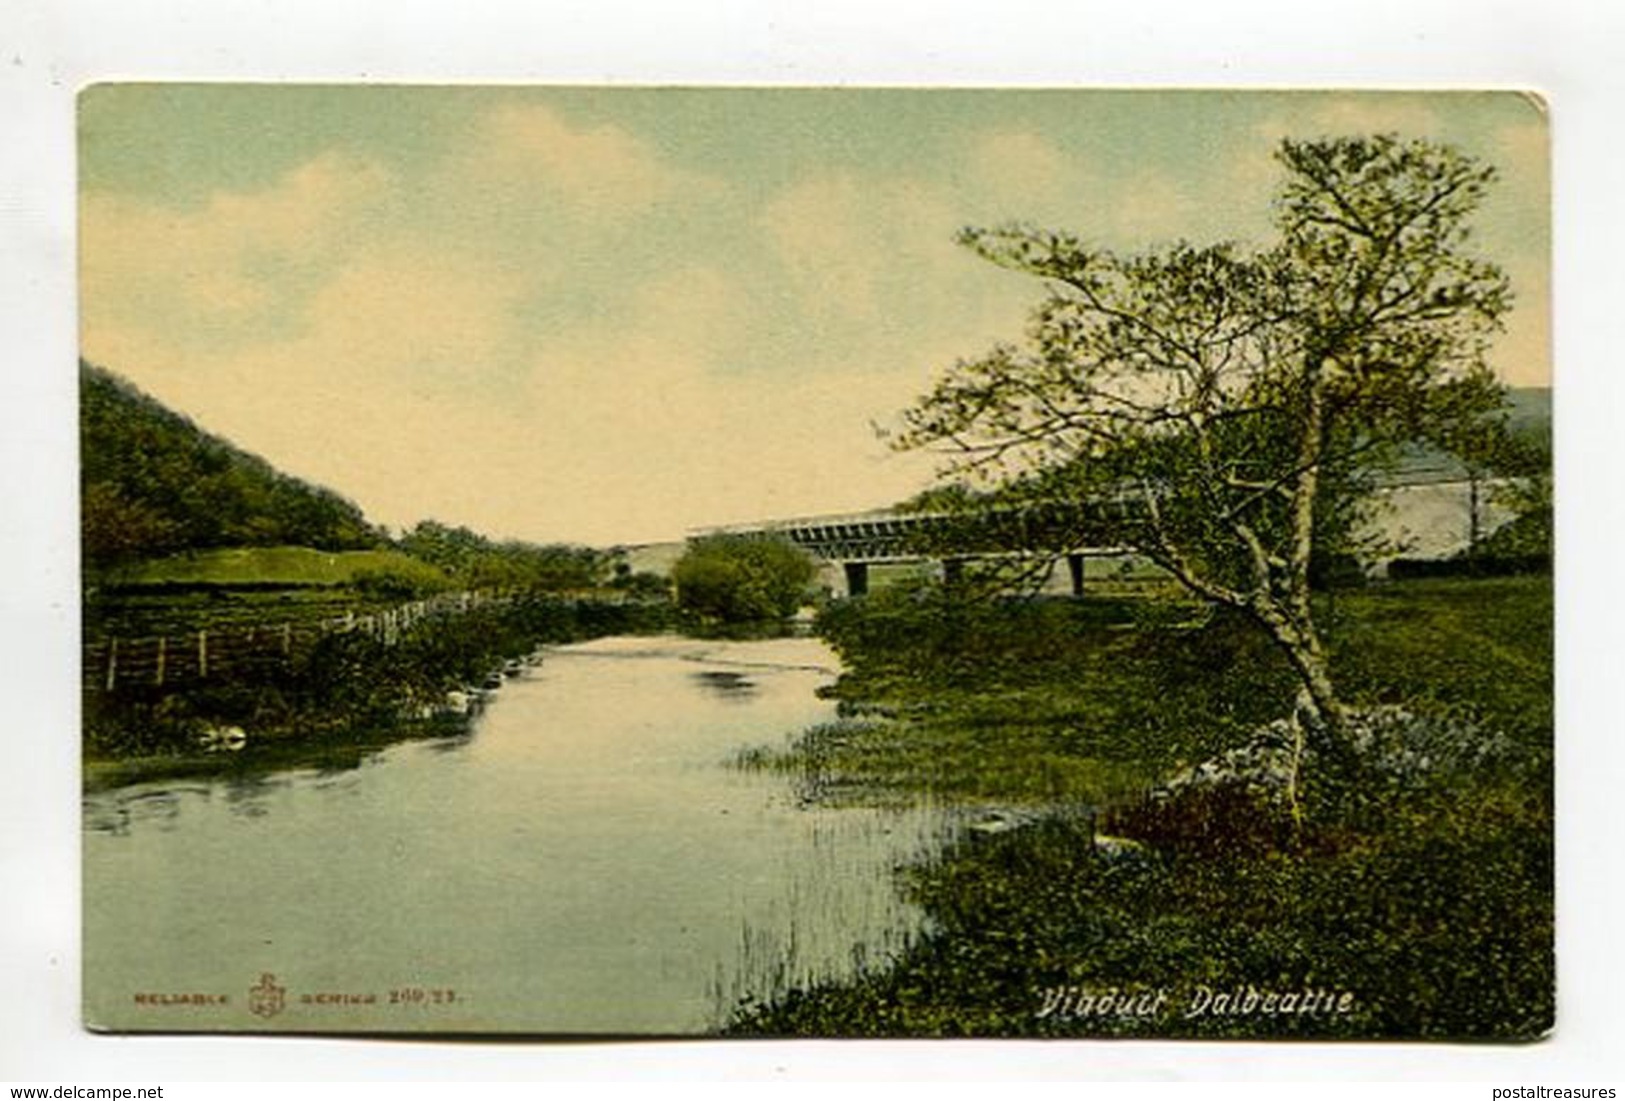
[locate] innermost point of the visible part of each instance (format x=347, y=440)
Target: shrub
x=742, y=578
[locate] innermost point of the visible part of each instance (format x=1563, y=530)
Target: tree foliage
x=477, y=562
x=1224, y=409
x=742, y=578
x=153, y=483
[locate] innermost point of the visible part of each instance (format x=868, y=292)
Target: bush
x=742, y=578
x=349, y=685
x=1478, y=565
x=408, y=580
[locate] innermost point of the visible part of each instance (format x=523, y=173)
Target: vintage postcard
x=639, y=562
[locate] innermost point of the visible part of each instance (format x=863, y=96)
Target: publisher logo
x=266, y=998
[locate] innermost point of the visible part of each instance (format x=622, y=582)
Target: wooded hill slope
x=154, y=483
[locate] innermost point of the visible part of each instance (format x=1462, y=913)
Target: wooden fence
x=112, y=663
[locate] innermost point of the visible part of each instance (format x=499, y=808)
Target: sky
x=616, y=315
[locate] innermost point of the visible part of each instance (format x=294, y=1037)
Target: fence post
x=202, y=653
x=158, y=677
x=112, y=663
x=287, y=640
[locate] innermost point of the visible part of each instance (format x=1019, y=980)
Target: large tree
x=1221, y=409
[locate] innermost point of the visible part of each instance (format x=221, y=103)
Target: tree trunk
x=1295, y=629
x=1328, y=724
x=1311, y=447
x=1474, y=523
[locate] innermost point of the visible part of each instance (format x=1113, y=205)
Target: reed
x=1431, y=902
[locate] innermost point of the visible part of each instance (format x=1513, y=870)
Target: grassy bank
x=275, y=566
x=1427, y=903
x=1045, y=701
x=347, y=693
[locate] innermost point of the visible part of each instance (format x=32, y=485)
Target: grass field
x=1430, y=904
x=250, y=587
x=286, y=566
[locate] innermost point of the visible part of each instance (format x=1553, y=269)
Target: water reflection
x=727, y=684
x=584, y=861
x=246, y=796
x=451, y=744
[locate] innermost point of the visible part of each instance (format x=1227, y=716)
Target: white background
x=1570, y=51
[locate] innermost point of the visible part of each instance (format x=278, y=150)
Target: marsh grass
x=840, y=918
x=1046, y=702
x=1431, y=903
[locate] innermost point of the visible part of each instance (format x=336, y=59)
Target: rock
x=1118, y=848
x=217, y=738
x=997, y=822
x=1393, y=742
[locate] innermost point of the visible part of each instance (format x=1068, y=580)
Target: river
x=584, y=860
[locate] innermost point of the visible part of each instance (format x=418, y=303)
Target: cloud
x=304, y=204
x=1526, y=144
x=1022, y=172
x=1237, y=194
x=825, y=235
x=690, y=312
x=391, y=385
x=548, y=328
x=603, y=170
x=422, y=369
x=1338, y=116
x=531, y=334
x=1156, y=209
x=1023, y=176
x=1518, y=231
x=216, y=262
x=640, y=441
x=854, y=249
x=617, y=430
x=435, y=318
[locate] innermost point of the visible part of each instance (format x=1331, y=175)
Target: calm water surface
x=584, y=861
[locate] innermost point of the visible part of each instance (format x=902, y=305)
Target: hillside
x=1528, y=416
x=1530, y=410
x=154, y=483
